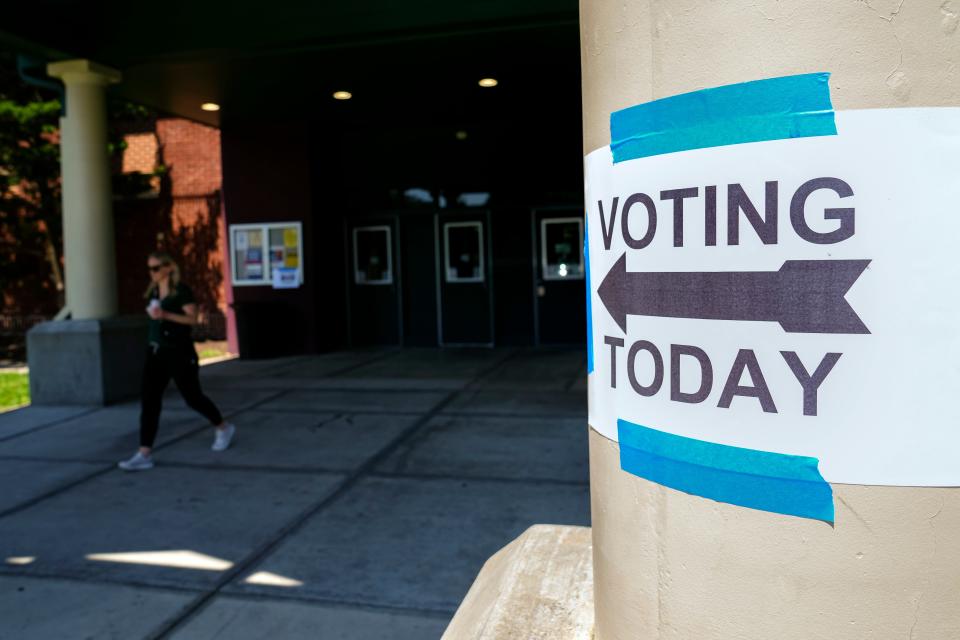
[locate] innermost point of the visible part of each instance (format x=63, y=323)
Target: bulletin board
x=258, y=251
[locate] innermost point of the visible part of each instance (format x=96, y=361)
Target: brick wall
x=178, y=211
x=192, y=153
x=181, y=215
x=141, y=153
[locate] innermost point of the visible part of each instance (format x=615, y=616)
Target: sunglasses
x=153, y=268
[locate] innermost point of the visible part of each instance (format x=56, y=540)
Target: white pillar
x=88, y=240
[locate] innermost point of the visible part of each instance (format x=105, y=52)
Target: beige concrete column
x=88, y=240
x=670, y=565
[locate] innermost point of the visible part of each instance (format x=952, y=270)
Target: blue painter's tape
x=586, y=268
x=772, y=109
x=763, y=480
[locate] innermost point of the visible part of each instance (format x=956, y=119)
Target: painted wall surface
x=266, y=178
x=671, y=565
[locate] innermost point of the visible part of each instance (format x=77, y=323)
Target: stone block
x=86, y=362
x=539, y=587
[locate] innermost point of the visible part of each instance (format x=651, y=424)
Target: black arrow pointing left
x=804, y=296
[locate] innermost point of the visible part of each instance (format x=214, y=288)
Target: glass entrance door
x=374, y=281
x=464, y=287
x=558, y=284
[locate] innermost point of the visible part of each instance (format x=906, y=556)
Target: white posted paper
x=886, y=412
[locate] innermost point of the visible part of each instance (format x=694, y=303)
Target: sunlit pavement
x=364, y=492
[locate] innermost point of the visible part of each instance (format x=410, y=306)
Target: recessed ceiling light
x=342, y=95
x=210, y=106
x=461, y=135
x=488, y=82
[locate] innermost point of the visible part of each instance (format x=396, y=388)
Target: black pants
x=181, y=365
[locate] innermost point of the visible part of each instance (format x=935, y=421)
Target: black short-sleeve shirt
x=166, y=334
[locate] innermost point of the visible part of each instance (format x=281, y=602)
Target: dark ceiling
x=419, y=59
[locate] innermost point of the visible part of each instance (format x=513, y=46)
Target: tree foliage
x=30, y=212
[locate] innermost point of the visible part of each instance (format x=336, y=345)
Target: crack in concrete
x=888, y=18
x=896, y=79
x=660, y=525
x=939, y=511
x=756, y=7
x=933, y=528
x=950, y=17
x=854, y=512
x=916, y=616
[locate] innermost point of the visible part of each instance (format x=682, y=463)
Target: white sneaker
x=138, y=462
x=223, y=438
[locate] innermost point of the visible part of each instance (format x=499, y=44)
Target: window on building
x=258, y=250
x=463, y=251
x=561, y=249
x=372, y=255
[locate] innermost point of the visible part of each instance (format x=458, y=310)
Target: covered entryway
x=395, y=155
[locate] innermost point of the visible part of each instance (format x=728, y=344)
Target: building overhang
x=285, y=59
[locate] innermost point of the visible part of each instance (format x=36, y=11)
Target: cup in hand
x=153, y=309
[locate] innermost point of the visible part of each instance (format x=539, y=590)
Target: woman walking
x=170, y=354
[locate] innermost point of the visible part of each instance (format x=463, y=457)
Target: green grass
x=14, y=390
x=211, y=353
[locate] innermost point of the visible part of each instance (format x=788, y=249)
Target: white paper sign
x=806, y=301
x=286, y=278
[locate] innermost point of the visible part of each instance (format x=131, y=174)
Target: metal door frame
x=574, y=211
x=438, y=250
x=373, y=220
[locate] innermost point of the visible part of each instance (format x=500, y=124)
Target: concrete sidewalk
x=363, y=494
